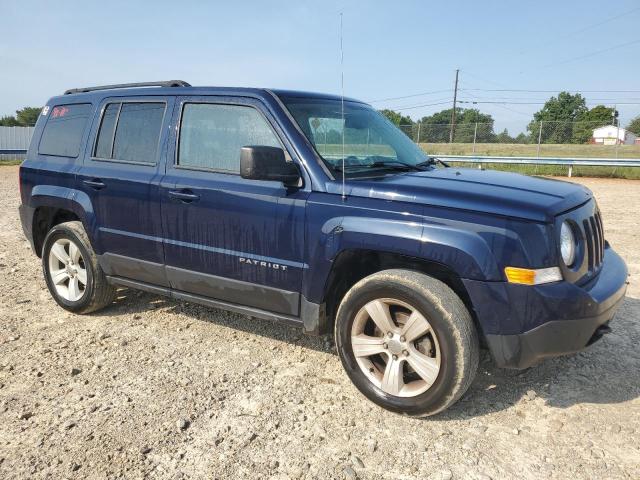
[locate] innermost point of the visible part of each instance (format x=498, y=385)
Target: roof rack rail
x=167, y=83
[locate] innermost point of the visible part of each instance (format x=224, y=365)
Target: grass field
x=521, y=150
x=630, y=173
x=518, y=150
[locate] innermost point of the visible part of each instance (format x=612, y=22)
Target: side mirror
x=259, y=162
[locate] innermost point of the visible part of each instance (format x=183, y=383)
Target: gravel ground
x=153, y=388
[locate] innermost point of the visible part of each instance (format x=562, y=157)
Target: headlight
x=567, y=244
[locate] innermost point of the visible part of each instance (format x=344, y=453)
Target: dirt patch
x=153, y=388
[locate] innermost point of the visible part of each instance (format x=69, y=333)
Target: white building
x=610, y=135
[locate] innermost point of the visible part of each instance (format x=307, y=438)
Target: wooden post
x=453, y=112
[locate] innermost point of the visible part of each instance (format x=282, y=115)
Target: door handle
x=185, y=196
x=96, y=183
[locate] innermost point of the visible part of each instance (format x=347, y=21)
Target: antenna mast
x=344, y=195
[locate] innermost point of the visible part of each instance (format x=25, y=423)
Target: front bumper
x=525, y=324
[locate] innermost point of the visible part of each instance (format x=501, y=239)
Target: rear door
x=121, y=175
x=236, y=240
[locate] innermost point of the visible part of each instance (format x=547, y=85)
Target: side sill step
x=147, y=287
x=207, y=302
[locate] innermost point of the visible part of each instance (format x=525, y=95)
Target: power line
x=435, y=101
x=473, y=88
x=514, y=111
x=530, y=103
x=501, y=102
x=470, y=98
x=424, y=105
x=593, y=99
x=580, y=30
x=483, y=79
x=610, y=19
x=592, y=54
x=473, y=96
x=408, y=96
x=519, y=90
x=497, y=90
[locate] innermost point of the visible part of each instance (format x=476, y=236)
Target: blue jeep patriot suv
x=315, y=210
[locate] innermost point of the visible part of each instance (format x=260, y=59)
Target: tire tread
x=452, y=308
x=103, y=293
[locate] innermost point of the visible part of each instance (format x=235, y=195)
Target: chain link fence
x=542, y=139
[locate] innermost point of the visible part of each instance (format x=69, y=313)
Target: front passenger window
x=211, y=135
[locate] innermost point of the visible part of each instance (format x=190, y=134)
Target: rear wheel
x=407, y=342
x=71, y=270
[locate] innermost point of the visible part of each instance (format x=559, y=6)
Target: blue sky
x=391, y=49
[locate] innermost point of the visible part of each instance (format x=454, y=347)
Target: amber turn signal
x=528, y=276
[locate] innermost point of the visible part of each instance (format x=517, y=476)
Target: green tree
x=396, y=118
x=25, y=117
x=556, y=116
x=28, y=116
x=598, y=116
x=466, y=127
x=634, y=126
x=504, y=137
x=436, y=128
x=8, y=121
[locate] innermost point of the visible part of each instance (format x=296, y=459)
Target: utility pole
x=453, y=113
x=616, y=121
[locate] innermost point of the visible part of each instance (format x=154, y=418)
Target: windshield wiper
x=433, y=161
x=395, y=165
x=385, y=164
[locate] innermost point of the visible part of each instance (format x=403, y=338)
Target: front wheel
x=407, y=342
x=72, y=272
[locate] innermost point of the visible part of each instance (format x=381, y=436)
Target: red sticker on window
x=59, y=111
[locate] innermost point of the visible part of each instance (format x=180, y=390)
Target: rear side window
x=62, y=134
x=107, y=128
x=212, y=135
x=130, y=132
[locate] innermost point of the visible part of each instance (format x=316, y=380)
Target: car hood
x=488, y=191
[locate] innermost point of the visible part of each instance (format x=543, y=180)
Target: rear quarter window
x=62, y=134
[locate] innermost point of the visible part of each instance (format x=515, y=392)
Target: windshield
x=371, y=142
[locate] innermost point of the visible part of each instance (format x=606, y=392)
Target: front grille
x=594, y=236
x=587, y=223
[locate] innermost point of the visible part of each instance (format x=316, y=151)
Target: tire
x=445, y=357
x=81, y=287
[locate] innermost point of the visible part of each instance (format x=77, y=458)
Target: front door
x=121, y=176
x=235, y=240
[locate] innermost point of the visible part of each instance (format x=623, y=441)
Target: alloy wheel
x=395, y=347
x=67, y=270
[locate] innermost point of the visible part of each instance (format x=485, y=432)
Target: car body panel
x=247, y=232
x=487, y=191
x=126, y=209
x=260, y=248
